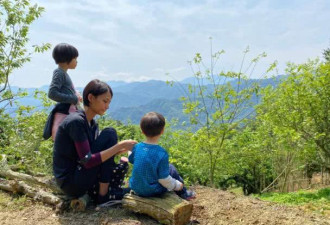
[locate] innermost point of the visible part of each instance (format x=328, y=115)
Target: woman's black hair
x=64, y=53
x=152, y=124
x=96, y=88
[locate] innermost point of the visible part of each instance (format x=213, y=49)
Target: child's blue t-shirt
x=150, y=164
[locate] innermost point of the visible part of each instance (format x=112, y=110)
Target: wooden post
x=166, y=209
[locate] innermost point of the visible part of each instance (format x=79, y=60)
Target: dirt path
x=211, y=207
x=219, y=207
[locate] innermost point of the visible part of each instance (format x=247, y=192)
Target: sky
x=140, y=40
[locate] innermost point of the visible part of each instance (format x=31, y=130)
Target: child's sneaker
x=188, y=195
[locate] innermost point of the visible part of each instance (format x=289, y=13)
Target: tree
x=296, y=116
x=16, y=16
x=326, y=54
x=22, y=140
x=219, y=108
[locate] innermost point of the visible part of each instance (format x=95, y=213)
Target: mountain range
x=132, y=100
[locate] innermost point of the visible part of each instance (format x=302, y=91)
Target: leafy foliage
x=326, y=55
x=234, y=145
x=15, y=18
x=129, y=131
x=220, y=111
x=254, y=153
x=26, y=149
x=299, y=108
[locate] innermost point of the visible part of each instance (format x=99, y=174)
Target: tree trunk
x=46, y=183
x=4, y=185
x=167, y=209
x=22, y=188
x=20, y=181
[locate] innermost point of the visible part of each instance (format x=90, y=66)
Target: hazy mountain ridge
x=132, y=100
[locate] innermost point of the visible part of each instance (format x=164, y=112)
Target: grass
x=310, y=200
x=236, y=190
x=10, y=202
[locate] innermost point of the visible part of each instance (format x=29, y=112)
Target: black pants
x=86, y=180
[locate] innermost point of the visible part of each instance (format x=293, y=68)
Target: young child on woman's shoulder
x=152, y=174
x=61, y=88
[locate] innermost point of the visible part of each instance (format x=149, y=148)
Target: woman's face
x=100, y=104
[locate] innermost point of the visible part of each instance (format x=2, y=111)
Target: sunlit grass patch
x=237, y=190
x=310, y=200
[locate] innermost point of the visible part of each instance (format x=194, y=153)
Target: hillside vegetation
x=234, y=131
x=227, y=138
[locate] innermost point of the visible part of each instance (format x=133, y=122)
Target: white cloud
x=135, y=40
x=129, y=77
x=162, y=70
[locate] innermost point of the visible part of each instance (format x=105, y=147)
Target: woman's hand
x=119, y=148
x=126, y=146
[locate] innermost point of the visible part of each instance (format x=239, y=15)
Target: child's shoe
x=188, y=195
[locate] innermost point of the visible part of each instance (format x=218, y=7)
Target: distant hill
x=141, y=93
x=143, y=97
x=132, y=100
x=170, y=108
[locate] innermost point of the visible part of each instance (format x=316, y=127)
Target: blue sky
x=139, y=40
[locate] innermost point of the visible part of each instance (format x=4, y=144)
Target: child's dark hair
x=64, y=53
x=152, y=124
x=96, y=88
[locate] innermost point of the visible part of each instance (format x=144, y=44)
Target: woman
x=84, y=159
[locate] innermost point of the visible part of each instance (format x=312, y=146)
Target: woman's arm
x=89, y=160
x=77, y=132
x=119, y=148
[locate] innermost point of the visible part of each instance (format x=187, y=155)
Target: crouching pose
x=83, y=158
